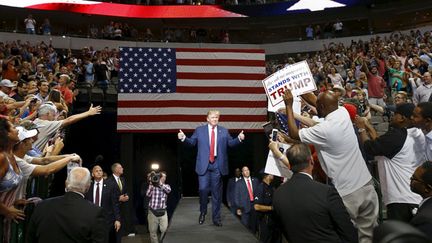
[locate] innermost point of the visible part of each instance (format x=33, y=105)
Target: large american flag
x=167, y=89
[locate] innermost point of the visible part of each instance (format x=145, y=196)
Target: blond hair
x=213, y=112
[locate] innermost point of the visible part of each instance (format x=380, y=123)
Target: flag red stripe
x=221, y=62
x=226, y=76
x=188, y=118
x=214, y=90
x=233, y=131
x=220, y=50
x=191, y=103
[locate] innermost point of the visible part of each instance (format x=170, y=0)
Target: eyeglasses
x=416, y=179
x=399, y=97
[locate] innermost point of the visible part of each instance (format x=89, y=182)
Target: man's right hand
x=239, y=212
x=181, y=135
x=288, y=98
x=14, y=214
x=94, y=110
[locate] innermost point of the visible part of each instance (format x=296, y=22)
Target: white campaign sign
x=275, y=167
x=296, y=77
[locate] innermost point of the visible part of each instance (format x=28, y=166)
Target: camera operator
x=157, y=215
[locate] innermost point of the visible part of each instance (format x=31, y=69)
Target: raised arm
x=78, y=117
x=292, y=127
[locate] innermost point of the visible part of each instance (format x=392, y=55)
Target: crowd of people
x=389, y=76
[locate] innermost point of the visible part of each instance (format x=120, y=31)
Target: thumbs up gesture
x=241, y=135
x=180, y=135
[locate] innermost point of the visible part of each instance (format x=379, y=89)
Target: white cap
x=24, y=134
x=7, y=83
x=340, y=88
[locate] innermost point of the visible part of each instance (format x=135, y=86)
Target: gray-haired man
x=69, y=218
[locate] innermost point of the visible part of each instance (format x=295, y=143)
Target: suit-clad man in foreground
x=308, y=210
x=105, y=195
x=340, y=157
x=69, y=218
x=212, y=161
x=421, y=183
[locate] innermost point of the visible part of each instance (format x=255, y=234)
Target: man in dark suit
x=125, y=214
x=308, y=210
x=212, y=161
x=244, y=198
x=105, y=194
x=230, y=193
x=421, y=183
x=68, y=218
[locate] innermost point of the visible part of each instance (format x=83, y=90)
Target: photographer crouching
x=157, y=216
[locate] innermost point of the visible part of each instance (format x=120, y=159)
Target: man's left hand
x=360, y=122
x=288, y=98
x=124, y=198
x=241, y=135
x=117, y=225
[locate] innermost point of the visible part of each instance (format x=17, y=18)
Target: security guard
x=267, y=228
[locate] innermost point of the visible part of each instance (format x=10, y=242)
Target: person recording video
x=157, y=193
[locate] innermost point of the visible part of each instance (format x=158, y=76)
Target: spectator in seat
x=398, y=153
x=422, y=118
x=30, y=24
x=424, y=92
x=49, y=126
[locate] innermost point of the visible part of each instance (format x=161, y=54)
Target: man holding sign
x=212, y=161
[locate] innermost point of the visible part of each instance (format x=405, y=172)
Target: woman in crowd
x=335, y=77
x=10, y=176
x=56, y=98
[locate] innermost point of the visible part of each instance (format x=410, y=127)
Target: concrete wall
x=271, y=49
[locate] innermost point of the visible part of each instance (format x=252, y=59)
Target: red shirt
x=67, y=95
x=376, y=85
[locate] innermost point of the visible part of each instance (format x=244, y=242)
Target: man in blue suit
x=212, y=161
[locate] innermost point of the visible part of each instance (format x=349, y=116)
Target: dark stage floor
x=184, y=226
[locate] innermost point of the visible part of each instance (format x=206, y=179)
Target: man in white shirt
x=30, y=24
x=398, y=153
x=422, y=118
x=340, y=157
x=424, y=91
x=105, y=194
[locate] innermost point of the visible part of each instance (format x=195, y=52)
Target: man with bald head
x=340, y=157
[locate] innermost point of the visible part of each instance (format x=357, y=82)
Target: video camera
x=155, y=178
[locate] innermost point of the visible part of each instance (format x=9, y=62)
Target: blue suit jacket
x=201, y=137
x=242, y=199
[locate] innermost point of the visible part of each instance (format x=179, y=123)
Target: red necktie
x=212, y=145
x=97, y=194
x=251, y=197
